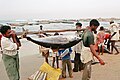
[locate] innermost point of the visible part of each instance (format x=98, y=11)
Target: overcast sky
x=58, y=9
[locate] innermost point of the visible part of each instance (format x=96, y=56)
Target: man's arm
x=94, y=54
x=113, y=34
x=64, y=53
x=8, y=45
x=14, y=39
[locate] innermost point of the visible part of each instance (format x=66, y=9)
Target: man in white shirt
x=114, y=35
x=10, y=44
x=78, y=65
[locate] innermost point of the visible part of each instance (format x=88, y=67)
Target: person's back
x=114, y=35
x=100, y=41
x=114, y=28
x=87, y=41
x=107, y=36
x=65, y=54
x=101, y=36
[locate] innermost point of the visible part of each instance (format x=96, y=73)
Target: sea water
x=57, y=26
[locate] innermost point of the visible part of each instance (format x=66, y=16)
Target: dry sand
x=30, y=61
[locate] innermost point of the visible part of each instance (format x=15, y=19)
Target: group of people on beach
x=92, y=42
x=83, y=56
x=84, y=50
x=106, y=38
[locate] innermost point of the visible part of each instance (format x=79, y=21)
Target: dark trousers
x=78, y=65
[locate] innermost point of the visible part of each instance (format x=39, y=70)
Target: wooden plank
x=50, y=31
x=65, y=30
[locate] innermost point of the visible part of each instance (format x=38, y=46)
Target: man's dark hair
x=95, y=32
x=101, y=28
x=78, y=24
x=56, y=33
x=94, y=22
x=41, y=27
x=4, y=29
x=111, y=22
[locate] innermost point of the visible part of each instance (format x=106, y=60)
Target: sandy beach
x=31, y=60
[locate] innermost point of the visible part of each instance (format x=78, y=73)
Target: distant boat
x=44, y=22
x=68, y=22
x=33, y=23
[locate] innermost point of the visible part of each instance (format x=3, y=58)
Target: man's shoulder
x=114, y=24
x=61, y=50
x=88, y=34
x=4, y=39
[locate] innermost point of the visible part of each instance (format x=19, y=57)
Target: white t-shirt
x=86, y=54
x=114, y=28
x=8, y=47
x=77, y=48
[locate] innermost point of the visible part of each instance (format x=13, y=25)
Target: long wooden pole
x=50, y=31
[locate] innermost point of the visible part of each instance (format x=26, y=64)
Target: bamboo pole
x=50, y=31
x=25, y=32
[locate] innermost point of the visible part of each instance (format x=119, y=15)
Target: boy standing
x=78, y=65
x=100, y=39
x=65, y=55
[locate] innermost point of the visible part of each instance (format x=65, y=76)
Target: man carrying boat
x=88, y=50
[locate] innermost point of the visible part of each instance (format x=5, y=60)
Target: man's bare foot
x=71, y=76
x=117, y=53
x=111, y=52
